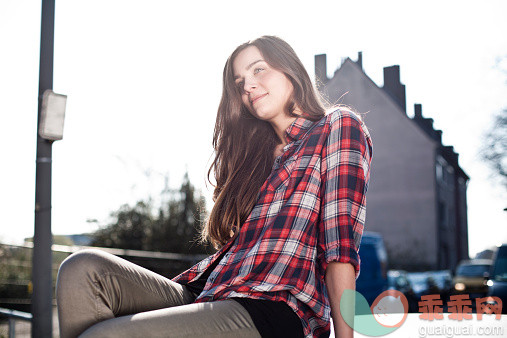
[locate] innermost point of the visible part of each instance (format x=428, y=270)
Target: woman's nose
x=249, y=85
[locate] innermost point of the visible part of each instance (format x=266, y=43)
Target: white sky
x=143, y=80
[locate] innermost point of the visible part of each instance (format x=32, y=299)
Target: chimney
x=418, y=111
x=321, y=69
x=393, y=86
x=439, y=136
x=359, y=61
x=453, y=156
x=426, y=124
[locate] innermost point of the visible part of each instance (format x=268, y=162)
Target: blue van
x=372, y=280
x=497, y=282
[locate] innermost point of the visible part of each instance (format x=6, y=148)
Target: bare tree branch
x=494, y=149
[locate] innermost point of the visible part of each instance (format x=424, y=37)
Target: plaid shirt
x=309, y=212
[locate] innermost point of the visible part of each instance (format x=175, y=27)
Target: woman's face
x=264, y=90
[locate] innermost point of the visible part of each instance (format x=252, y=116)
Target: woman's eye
x=240, y=85
x=257, y=70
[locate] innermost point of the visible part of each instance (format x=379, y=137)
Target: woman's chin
x=262, y=114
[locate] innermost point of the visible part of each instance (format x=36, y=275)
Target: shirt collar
x=298, y=128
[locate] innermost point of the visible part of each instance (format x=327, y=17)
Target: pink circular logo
x=390, y=308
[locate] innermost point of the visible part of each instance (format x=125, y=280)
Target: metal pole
x=12, y=327
x=42, y=297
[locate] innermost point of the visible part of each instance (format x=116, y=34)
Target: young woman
x=287, y=222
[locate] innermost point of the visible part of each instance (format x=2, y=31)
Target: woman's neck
x=282, y=123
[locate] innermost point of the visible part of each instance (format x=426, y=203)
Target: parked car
x=498, y=277
x=443, y=280
x=398, y=280
x=471, y=277
x=418, y=282
x=372, y=280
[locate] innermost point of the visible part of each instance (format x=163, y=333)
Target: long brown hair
x=244, y=145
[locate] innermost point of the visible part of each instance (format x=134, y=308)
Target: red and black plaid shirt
x=310, y=211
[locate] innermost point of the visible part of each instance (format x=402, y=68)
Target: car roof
x=476, y=262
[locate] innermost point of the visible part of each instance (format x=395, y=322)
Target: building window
x=439, y=172
x=442, y=215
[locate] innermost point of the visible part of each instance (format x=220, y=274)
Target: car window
x=472, y=270
x=418, y=281
x=500, y=269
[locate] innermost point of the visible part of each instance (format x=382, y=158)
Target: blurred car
x=397, y=280
x=498, y=277
x=471, y=277
x=419, y=282
x=372, y=280
x=443, y=279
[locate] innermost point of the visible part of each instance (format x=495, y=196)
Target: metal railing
x=12, y=316
x=161, y=262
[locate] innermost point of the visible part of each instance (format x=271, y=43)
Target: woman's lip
x=258, y=97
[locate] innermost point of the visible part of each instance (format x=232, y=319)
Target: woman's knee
x=82, y=264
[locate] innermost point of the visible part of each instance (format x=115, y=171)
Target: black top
x=272, y=319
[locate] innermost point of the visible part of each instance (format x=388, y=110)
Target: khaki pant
x=101, y=295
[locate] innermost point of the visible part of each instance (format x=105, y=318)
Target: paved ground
x=23, y=328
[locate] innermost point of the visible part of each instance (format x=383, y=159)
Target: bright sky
x=143, y=80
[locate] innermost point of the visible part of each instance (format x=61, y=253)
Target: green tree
x=174, y=227
x=130, y=230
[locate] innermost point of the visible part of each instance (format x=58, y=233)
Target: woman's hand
x=340, y=276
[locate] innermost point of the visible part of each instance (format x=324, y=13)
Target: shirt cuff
x=343, y=255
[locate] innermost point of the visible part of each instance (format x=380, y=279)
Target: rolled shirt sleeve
x=345, y=167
